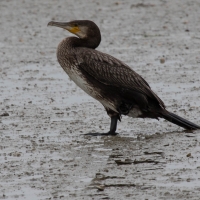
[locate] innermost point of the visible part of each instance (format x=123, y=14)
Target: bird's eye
x=76, y=25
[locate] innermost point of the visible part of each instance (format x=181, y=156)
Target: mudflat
x=43, y=115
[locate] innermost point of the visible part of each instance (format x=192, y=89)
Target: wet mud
x=44, y=153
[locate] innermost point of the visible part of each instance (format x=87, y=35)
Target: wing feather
x=111, y=71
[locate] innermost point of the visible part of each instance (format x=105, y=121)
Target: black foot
x=102, y=134
x=113, y=127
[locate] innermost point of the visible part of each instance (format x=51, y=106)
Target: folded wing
x=111, y=71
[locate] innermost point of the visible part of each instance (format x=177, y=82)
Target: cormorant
x=113, y=83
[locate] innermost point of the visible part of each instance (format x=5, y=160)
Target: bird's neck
x=92, y=43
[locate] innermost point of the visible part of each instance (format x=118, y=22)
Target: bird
x=114, y=84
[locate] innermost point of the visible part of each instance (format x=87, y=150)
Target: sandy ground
x=43, y=154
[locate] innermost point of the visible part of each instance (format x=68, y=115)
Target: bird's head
x=81, y=28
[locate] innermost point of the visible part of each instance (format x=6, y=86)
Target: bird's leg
x=113, y=125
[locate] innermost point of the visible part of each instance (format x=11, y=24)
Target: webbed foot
x=102, y=134
x=113, y=127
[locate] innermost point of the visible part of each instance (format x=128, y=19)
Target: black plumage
x=120, y=89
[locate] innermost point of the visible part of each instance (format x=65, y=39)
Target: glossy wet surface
x=43, y=115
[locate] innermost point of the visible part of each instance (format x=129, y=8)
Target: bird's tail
x=175, y=119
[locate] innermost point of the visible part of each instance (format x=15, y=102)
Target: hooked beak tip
x=50, y=23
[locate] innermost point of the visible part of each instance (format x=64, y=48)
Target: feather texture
x=111, y=71
x=113, y=83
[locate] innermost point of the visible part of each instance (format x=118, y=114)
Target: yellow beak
x=65, y=25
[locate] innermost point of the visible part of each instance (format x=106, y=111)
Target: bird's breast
x=76, y=76
x=68, y=62
x=81, y=81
